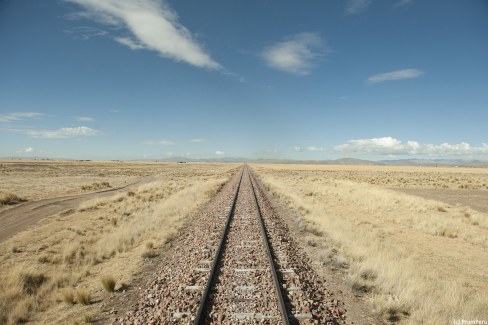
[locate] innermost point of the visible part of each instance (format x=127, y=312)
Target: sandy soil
x=21, y=217
x=475, y=199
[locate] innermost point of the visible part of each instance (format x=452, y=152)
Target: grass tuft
x=83, y=296
x=68, y=296
x=108, y=283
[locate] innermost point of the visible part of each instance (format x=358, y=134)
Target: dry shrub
x=149, y=254
x=108, y=283
x=31, y=282
x=83, y=296
x=10, y=199
x=441, y=209
x=96, y=186
x=68, y=296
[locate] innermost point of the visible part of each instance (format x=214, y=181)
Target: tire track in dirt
x=19, y=218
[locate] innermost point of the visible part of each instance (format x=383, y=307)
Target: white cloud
x=219, y=153
x=84, y=119
x=356, y=6
x=130, y=43
x=297, y=54
x=392, y=146
x=20, y=116
x=159, y=143
x=307, y=149
x=114, y=111
x=81, y=131
x=154, y=26
x=196, y=140
x=272, y=151
x=26, y=150
x=395, y=75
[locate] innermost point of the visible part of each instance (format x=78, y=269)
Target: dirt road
x=27, y=214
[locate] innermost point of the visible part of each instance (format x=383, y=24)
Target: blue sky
x=315, y=79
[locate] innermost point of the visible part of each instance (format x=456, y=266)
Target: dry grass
x=96, y=186
x=108, y=283
x=83, y=297
x=417, y=260
x=76, y=250
x=10, y=199
x=68, y=296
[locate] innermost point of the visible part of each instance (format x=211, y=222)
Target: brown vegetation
x=418, y=261
x=64, y=258
x=10, y=199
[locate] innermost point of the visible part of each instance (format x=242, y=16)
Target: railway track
x=240, y=266
x=243, y=285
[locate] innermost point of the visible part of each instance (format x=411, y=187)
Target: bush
x=31, y=282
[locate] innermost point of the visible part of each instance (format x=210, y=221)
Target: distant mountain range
x=342, y=161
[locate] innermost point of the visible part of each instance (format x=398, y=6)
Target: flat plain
x=54, y=270
x=410, y=242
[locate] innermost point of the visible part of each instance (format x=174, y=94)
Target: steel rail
x=200, y=317
x=279, y=295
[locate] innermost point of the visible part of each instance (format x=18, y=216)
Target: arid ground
x=51, y=269
x=411, y=240
x=409, y=243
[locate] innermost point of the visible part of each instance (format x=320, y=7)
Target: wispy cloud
x=85, y=32
x=154, y=26
x=84, y=119
x=196, y=140
x=401, y=3
x=20, y=116
x=297, y=54
x=395, y=75
x=392, y=146
x=159, y=143
x=271, y=151
x=26, y=150
x=76, y=132
x=219, y=153
x=356, y=6
x=307, y=149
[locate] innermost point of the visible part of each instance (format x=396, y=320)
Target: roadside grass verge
x=417, y=261
x=55, y=271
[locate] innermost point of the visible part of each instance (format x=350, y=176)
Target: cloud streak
x=298, y=54
x=159, y=143
x=356, y=6
x=392, y=146
x=307, y=149
x=153, y=25
x=84, y=119
x=20, y=116
x=76, y=132
x=395, y=75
